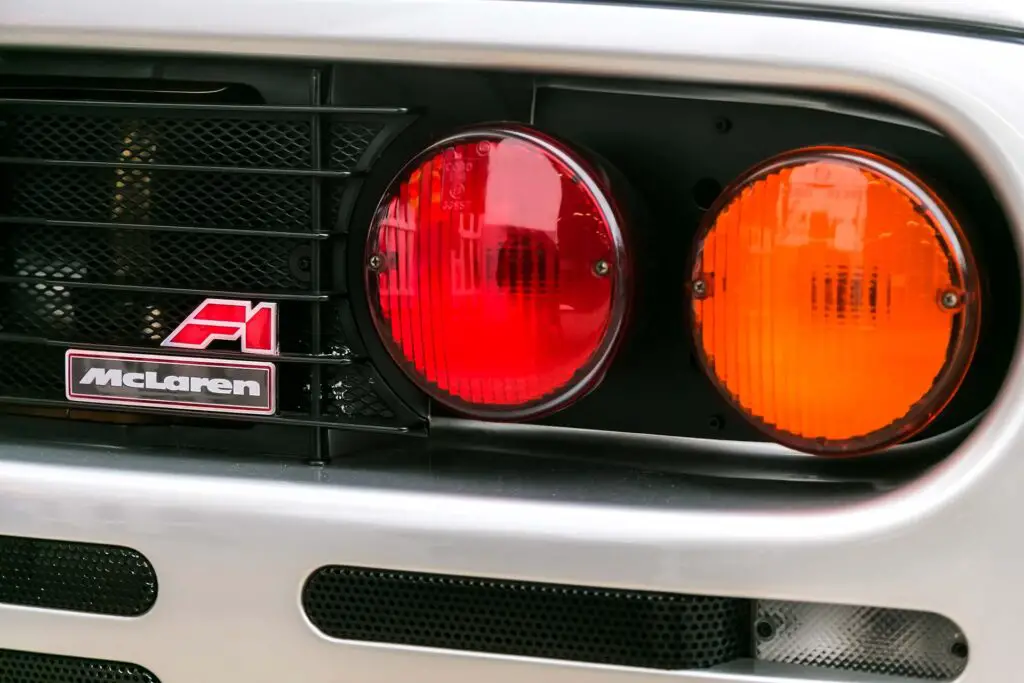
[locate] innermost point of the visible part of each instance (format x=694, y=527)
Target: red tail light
x=496, y=272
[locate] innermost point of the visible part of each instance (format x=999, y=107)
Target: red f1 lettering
x=227, y=319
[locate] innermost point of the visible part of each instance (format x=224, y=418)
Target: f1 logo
x=228, y=319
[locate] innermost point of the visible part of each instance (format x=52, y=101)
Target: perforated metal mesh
x=870, y=639
x=89, y=315
x=80, y=577
x=632, y=628
x=31, y=667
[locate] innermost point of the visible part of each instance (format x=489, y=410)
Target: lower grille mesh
x=29, y=667
x=629, y=628
x=80, y=577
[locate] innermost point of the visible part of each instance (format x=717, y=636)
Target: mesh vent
x=161, y=197
x=630, y=628
x=200, y=141
x=349, y=141
x=62, y=313
x=89, y=315
x=30, y=667
x=80, y=577
x=32, y=371
x=120, y=216
x=157, y=259
x=350, y=393
x=869, y=639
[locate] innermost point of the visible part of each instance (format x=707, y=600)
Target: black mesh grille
x=28, y=371
x=82, y=577
x=30, y=667
x=118, y=218
x=349, y=141
x=206, y=141
x=630, y=628
x=127, y=318
x=161, y=259
x=351, y=393
x=160, y=197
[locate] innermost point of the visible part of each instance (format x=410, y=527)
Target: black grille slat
x=630, y=628
x=308, y=395
x=70, y=314
x=151, y=227
x=17, y=666
x=158, y=259
x=118, y=218
x=142, y=195
x=243, y=142
x=80, y=577
x=49, y=104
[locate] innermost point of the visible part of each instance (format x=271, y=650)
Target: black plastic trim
x=282, y=418
x=322, y=358
x=192, y=106
x=232, y=294
x=156, y=227
x=192, y=168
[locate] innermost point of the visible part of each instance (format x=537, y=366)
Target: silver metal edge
x=228, y=539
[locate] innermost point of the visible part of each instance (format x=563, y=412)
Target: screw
x=602, y=268
x=723, y=124
x=765, y=629
x=949, y=299
x=376, y=262
x=700, y=288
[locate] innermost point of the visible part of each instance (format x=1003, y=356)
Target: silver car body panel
x=1004, y=15
x=232, y=543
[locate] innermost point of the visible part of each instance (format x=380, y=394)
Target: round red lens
x=496, y=275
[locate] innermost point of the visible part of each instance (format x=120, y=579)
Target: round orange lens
x=834, y=301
